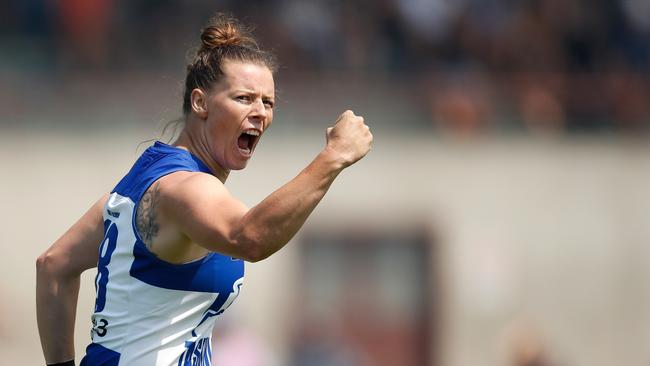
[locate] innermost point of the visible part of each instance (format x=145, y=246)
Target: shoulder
x=185, y=188
x=200, y=207
x=188, y=182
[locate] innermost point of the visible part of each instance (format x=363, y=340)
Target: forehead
x=248, y=76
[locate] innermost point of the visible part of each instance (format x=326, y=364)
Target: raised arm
x=205, y=211
x=57, y=282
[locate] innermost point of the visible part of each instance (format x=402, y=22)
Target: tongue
x=243, y=141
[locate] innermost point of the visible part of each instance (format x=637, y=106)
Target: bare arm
x=219, y=222
x=58, y=271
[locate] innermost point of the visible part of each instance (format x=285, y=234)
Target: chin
x=239, y=165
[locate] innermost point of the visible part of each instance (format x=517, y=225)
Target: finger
x=327, y=134
x=348, y=113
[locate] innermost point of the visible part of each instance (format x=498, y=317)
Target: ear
x=199, y=103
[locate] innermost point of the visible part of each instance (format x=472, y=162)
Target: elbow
x=49, y=266
x=251, y=249
x=256, y=256
x=43, y=268
x=42, y=262
x=44, y=265
x=254, y=252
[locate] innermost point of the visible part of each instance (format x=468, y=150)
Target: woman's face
x=239, y=110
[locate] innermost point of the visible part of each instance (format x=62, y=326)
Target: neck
x=187, y=141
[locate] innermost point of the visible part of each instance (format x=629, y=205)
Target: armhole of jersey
x=155, y=163
x=138, y=238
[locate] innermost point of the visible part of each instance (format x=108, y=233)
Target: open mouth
x=247, y=141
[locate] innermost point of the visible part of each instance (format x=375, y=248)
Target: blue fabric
x=98, y=355
x=213, y=273
x=157, y=161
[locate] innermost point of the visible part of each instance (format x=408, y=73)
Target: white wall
x=554, y=234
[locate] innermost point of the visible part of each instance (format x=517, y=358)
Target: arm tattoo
x=146, y=216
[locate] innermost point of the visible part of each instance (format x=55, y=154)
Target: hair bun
x=223, y=39
x=223, y=31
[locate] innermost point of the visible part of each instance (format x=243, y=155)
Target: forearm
x=268, y=226
x=56, y=305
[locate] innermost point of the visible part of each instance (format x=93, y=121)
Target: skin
x=57, y=282
x=185, y=215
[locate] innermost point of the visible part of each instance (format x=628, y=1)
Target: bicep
x=205, y=212
x=77, y=249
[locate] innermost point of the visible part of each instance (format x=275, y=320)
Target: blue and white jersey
x=149, y=311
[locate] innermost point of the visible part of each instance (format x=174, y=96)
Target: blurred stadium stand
x=540, y=66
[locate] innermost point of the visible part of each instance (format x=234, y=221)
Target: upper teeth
x=252, y=132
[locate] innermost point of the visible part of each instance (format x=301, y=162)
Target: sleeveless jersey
x=149, y=311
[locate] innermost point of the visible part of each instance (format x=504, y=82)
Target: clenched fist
x=350, y=138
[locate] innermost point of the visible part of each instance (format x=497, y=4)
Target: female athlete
x=169, y=241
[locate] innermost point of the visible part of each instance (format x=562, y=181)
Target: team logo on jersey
x=197, y=353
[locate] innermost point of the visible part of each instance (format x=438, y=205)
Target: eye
x=243, y=98
x=269, y=103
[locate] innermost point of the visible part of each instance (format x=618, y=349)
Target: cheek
x=269, y=120
x=225, y=121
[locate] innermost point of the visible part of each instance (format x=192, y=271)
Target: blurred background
x=501, y=218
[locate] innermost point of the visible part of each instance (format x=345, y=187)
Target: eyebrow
x=249, y=91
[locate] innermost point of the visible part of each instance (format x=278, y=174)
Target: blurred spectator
x=462, y=109
x=527, y=346
x=85, y=27
x=596, y=52
x=542, y=112
x=237, y=346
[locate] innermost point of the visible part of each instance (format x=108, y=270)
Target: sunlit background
x=502, y=218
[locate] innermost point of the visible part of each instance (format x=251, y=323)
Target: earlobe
x=199, y=103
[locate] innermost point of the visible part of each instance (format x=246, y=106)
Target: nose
x=259, y=109
x=259, y=114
